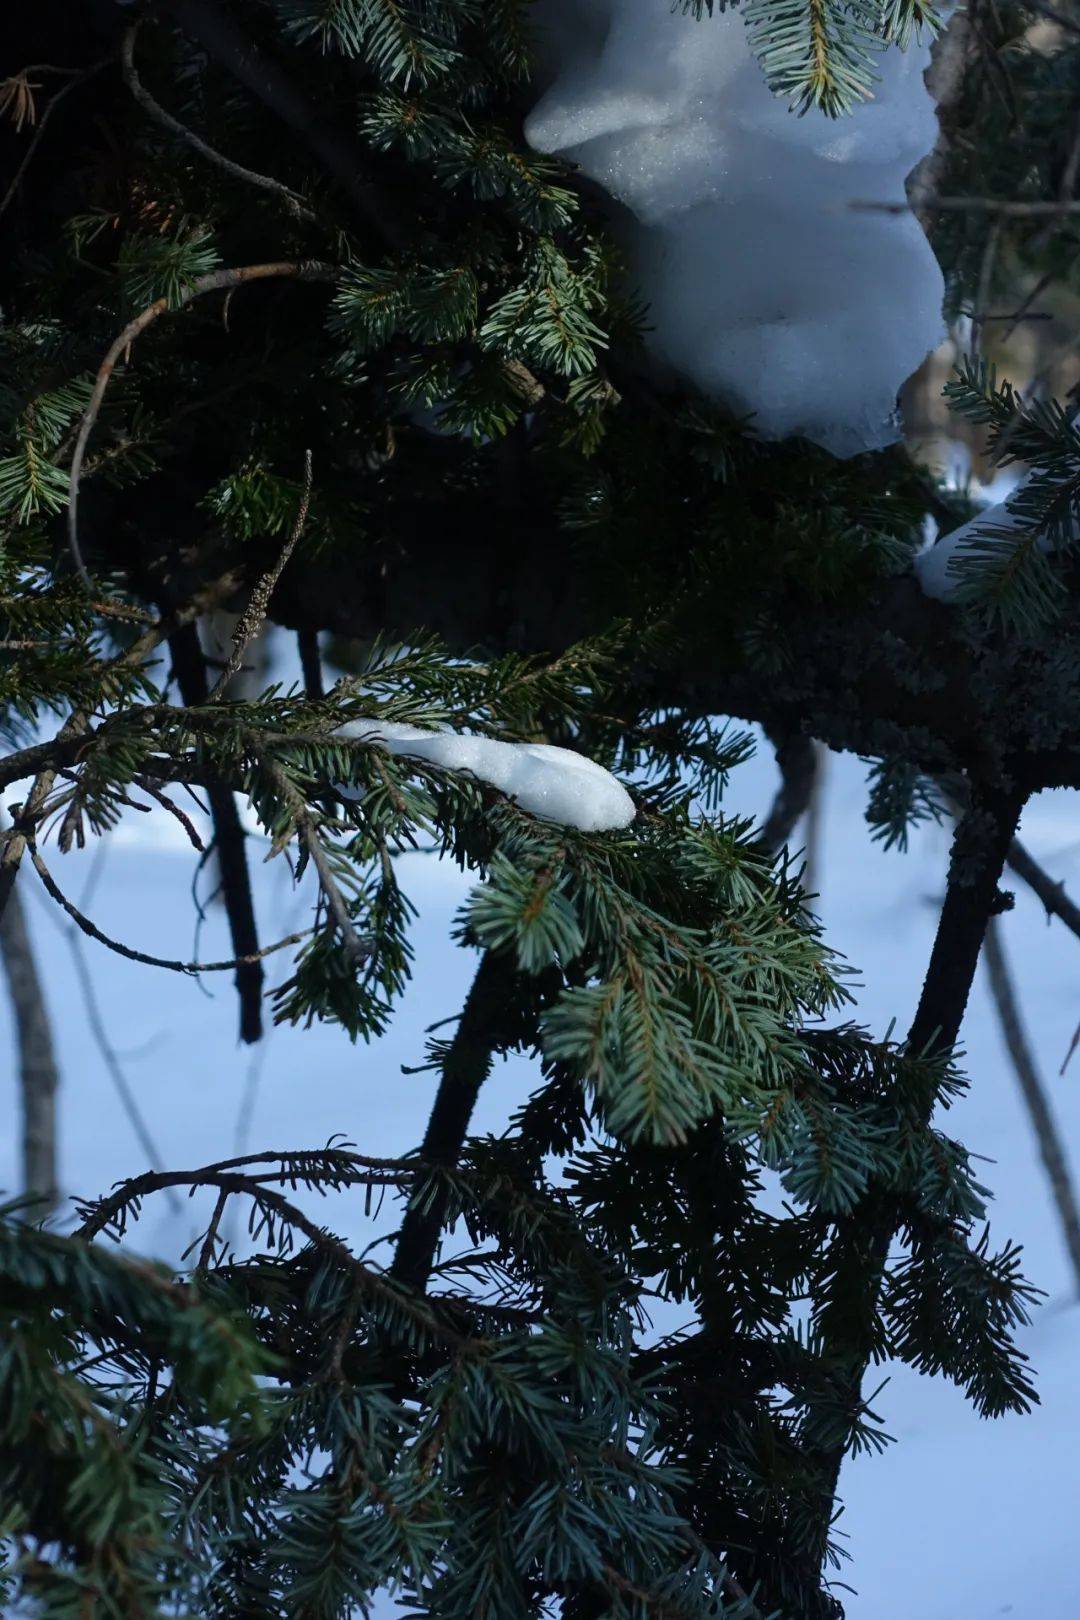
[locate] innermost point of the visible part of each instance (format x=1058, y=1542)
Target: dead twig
x=28, y=155
x=254, y=615
x=292, y=199
x=1051, y=1147
x=132, y=955
x=215, y=281
x=1007, y=207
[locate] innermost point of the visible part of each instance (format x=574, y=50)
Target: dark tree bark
x=229, y=841
x=485, y=1028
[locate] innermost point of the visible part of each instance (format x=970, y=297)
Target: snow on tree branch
x=554, y=783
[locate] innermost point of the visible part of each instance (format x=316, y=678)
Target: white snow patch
x=766, y=288
x=554, y=783
x=934, y=565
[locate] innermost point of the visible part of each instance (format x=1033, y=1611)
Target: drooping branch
x=175, y=965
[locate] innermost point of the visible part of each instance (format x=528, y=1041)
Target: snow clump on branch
x=766, y=288
x=554, y=783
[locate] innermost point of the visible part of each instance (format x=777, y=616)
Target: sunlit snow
x=555, y=783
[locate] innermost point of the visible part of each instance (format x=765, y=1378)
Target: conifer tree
x=296, y=324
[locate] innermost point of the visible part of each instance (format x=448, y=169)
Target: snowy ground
x=962, y=1519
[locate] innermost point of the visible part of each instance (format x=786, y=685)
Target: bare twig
x=215, y=281
x=1007, y=207
x=94, y=932
x=254, y=615
x=28, y=155
x=174, y=810
x=209, y=1244
x=341, y=158
x=146, y=101
x=1051, y=1147
x=1051, y=893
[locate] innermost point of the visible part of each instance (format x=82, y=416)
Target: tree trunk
x=38, y=1075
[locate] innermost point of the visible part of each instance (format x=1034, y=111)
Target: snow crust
x=766, y=289
x=554, y=783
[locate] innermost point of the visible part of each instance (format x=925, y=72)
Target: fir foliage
x=288, y=1426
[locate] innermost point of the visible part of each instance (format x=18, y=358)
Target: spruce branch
x=981, y=844
x=357, y=950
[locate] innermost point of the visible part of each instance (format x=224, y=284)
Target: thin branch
x=54, y=102
x=104, y=1214
x=1051, y=893
x=209, y=1245
x=1007, y=207
x=191, y=968
x=293, y=200
x=1051, y=1147
x=254, y=615
x=344, y=160
x=215, y=281
x=66, y=747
